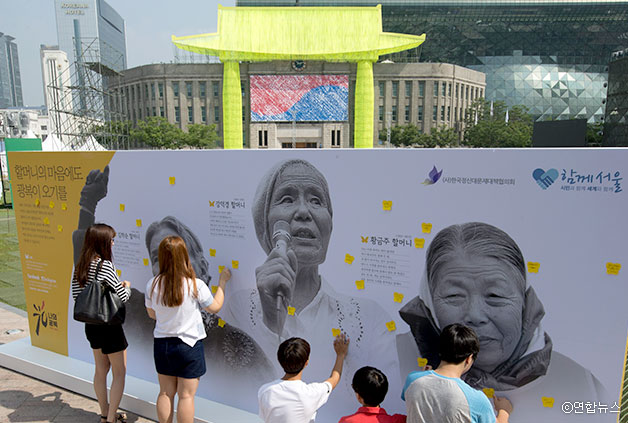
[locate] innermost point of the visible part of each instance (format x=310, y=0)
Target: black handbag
x=98, y=304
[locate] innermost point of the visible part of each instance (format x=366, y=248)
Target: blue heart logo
x=543, y=178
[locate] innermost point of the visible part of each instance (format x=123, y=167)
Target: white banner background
x=572, y=234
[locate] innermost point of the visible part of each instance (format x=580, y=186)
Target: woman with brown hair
x=107, y=341
x=174, y=299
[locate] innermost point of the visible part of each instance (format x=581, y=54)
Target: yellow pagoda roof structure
x=334, y=34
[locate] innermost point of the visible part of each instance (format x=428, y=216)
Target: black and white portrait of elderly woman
x=230, y=353
x=475, y=274
x=296, y=193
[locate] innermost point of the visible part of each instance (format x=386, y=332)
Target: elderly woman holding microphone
x=292, y=214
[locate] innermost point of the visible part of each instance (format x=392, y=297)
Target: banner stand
x=76, y=376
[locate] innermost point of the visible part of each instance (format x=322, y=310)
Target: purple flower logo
x=433, y=176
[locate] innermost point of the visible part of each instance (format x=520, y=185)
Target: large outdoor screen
x=299, y=98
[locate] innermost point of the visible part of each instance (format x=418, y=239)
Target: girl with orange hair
x=174, y=299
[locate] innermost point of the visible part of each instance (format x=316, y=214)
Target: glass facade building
x=99, y=28
x=10, y=81
x=93, y=36
x=616, y=122
x=549, y=55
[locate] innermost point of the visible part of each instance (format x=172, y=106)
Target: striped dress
x=108, y=274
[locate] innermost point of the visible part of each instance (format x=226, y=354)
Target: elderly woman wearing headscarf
x=296, y=193
x=475, y=275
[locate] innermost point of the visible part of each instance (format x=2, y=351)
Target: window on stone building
x=335, y=137
x=262, y=138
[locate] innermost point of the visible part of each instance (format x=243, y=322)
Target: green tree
x=595, y=133
x=411, y=135
x=493, y=130
x=443, y=137
x=202, y=136
x=158, y=132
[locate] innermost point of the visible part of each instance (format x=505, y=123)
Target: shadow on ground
x=47, y=407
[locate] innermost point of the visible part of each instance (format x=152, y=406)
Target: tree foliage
x=411, y=135
x=158, y=132
x=493, y=130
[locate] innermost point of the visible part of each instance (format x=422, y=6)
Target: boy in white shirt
x=289, y=399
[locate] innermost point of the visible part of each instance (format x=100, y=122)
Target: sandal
x=121, y=417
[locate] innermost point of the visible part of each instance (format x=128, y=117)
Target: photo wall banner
x=389, y=246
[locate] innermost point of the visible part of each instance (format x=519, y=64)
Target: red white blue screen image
x=300, y=98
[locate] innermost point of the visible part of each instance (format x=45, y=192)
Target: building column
x=364, y=106
x=231, y=106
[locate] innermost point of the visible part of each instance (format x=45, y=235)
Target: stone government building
x=429, y=95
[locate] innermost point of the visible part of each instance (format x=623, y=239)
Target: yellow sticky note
x=391, y=326
x=145, y=262
x=419, y=242
x=212, y=252
x=211, y=203
x=547, y=402
x=359, y=284
x=335, y=332
x=387, y=205
x=291, y=310
x=64, y=206
x=426, y=228
x=221, y=268
x=365, y=239
x=221, y=323
x=422, y=362
x=60, y=228
x=171, y=180
x=349, y=258
x=119, y=272
x=613, y=268
x=214, y=289
x=235, y=264
x=122, y=207
x=489, y=392
x=138, y=222
x=51, y=204
x=397, y=297
x=46, y=221
x=533, y=267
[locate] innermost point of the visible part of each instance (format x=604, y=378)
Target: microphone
x=281, y=239
x=281, y=235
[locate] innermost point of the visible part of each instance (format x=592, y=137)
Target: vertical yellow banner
x=46, y=191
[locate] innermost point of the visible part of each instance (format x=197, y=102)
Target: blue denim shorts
x=173, y=357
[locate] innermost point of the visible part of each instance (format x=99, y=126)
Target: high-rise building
x=93, y=31
x=616, y=123
x=56, y=72
x=10, y=82
x=92, y=34
x=549, y=55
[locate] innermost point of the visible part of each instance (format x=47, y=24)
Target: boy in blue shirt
x=442, y=396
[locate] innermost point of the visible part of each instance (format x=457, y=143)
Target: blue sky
x=149, y=25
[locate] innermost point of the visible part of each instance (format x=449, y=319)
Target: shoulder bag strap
x=98, y=267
